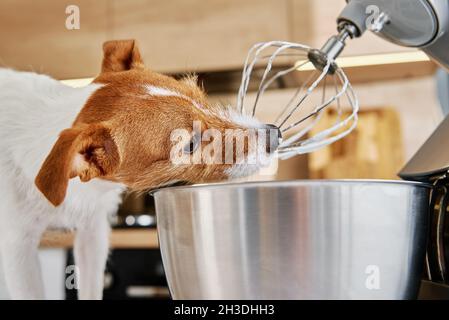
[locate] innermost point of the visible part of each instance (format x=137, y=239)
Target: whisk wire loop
x=295, y=120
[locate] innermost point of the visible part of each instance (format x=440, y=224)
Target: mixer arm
x=422, y=24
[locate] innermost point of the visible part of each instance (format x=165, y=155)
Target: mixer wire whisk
x=305, y=108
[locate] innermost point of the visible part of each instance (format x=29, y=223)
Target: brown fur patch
x=120, y=56
x=98, y=158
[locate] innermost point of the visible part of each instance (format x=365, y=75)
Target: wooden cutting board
x=374, y=150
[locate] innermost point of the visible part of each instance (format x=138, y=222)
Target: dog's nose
x=274, y=138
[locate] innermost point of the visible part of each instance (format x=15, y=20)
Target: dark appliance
x=431, y=164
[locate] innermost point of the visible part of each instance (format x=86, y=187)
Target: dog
x=67, y=155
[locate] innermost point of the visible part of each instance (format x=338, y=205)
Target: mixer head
x=422, y=24
x=308, y=103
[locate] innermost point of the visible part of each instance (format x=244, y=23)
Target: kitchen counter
x=120, y=238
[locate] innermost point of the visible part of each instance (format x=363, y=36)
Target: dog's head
x=145, y=129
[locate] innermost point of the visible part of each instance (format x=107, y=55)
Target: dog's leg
x=91, y=252
x=21, y=265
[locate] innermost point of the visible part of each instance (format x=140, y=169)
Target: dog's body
x=34, y=109
x=67, y=154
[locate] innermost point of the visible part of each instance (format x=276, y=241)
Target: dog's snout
x=274, y=138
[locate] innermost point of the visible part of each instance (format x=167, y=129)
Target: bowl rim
x=273, y=183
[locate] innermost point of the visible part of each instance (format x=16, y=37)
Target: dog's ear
x=121, y=55
x=84, y=151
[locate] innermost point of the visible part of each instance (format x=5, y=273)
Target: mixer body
x=423, y=24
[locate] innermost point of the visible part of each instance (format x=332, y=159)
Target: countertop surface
x=119, y=238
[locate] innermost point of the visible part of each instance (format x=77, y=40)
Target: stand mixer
x=320, y=239
x=423, y=24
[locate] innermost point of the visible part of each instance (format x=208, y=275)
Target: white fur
x=34, y=109
x=164, y=92
x=159, y=91
x=244, y=120
x=255, y=161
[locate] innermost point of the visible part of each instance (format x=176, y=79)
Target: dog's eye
x=193, y=144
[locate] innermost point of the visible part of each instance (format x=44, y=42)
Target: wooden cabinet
x=34, y=37
x=197, y=35
x=373, y=150
x=175, y=36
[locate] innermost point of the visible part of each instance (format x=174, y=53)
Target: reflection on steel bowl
x=314, y=239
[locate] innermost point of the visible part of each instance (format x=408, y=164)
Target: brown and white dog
x=68, y=153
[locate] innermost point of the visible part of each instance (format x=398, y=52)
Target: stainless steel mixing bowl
x=313, y=239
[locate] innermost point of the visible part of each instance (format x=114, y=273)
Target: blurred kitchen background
x=402, y=96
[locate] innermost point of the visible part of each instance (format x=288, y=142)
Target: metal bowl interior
x=311, y=239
